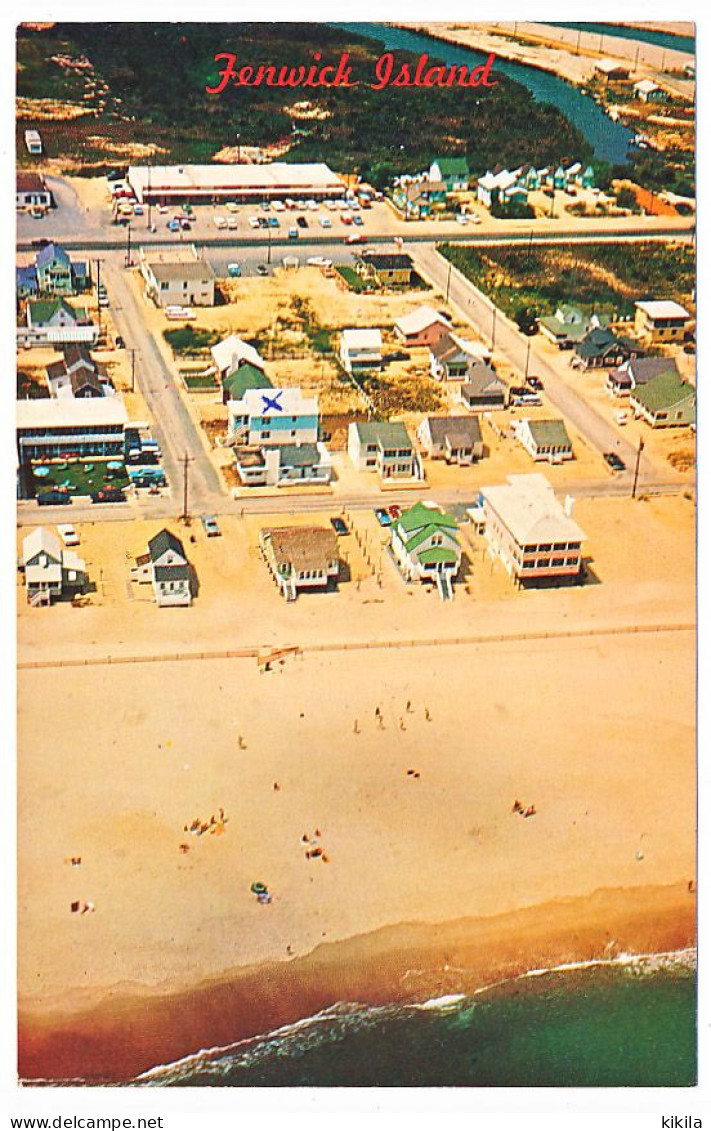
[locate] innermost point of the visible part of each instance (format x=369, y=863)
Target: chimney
x=568, y=506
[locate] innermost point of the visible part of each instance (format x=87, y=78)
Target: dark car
x=383, y=517
x=534, y=383
x=613, y=461
x=54, y=498
x=339, y=526
x=110, y=495
x=262, y=270
x=120, y=344
x=518, y=390
x=43, y=242
x=398, y=355
x=263, y=222
x=302, y=221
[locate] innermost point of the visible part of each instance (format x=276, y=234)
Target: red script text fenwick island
x=387, y=72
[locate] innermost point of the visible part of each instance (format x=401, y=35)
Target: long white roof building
x=273, y=181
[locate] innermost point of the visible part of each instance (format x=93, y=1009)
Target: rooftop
x=187, y=269
x=529, y=509
x=276, y=175
x=663, y=392
x=67, y=413
x=663, y=308
x=362, y=339
x=458, y=429
x=302, y=547
x=391, y=434
x=419, y=320
x=549, y=433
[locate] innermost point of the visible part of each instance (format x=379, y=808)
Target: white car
x=324, y=221
x=253, y=222
x=278, y=206
x=318, y=261
x=163, y=209
x=231, y=206
x=331, y=205
x=68, y=534
x=232, y=222
x=220, y=222
x=461, y=218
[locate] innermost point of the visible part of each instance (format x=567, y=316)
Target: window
x=572, y=561
x=559, y=545
x=544, y=549
x=557, y=562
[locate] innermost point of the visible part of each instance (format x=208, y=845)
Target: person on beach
x=276, y=787
x=401, y=723
x=408, y=708
x=428, y=717
x=356, y=728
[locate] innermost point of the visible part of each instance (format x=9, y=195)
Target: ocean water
x=627, y=1022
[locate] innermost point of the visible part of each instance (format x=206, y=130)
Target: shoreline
x=115, y=1035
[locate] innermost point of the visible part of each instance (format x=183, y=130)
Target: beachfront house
x=231, y=353
x=455, y=439
x=483, y=390
x=26, y=282
x=533, y=535
x=49, y=428
x=452, y=172
x=51, y=570
x=544, y=439
x=384, y=447
x=600, y=348
x=665, y=401
x=424, y=542
x=422, y=327
x=166, y=568
x=661, y=322
x=451, y=356
x=637, y=371
x=278, y=465
x=360, y=350
x=300, y=557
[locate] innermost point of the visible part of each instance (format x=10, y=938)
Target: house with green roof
x=166, y=568
x=544, y=439
x=385, y=447
x=665, y=402
x=55, y=312
x=424, y=542
x=453, y=172
x=600, y=348
x=247, y=376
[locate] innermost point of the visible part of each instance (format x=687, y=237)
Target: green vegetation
x=82, y=477
x=156, y=76
x=187, y=340
x=200, y=381
x=353, y=280
x=394, y=395
x=529, y=281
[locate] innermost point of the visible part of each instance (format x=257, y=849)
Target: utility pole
x=149, y=197
x=449, y=276
x=185, y=516
x=493, y=326
x=636, y=467
x=269, y=245
x=133, y=353
x=98, y=263
x=128, y=244
x=528, y=358
x=239, y=150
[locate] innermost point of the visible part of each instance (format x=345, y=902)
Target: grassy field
x=601, y=277
x=81, y=477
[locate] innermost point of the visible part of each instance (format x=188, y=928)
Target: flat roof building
x=166, y=184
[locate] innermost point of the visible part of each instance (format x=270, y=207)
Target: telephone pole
x=636, y=467
x=128, y=244
x=493, y=326
x=185, y=516
x=98, y=263
x=133, y=353
x=449, y=276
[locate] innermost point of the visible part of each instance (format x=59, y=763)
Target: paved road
x=493, y=325
x=175, y=428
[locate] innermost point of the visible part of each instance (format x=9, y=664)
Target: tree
x=526, y=318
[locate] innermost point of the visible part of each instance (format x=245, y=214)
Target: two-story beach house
x=528, y=529
x=424, y=542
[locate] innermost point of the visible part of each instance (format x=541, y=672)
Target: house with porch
x=422, y=327
x=55, y=321
x=527, y=528
x=544, y=439
x=385, y=447
x=273, y=416
x=57, y=274
x=601, y=349
x=280, y=465
x=360, y=350
x=569, y=325
x=166, y=568
x=455, y=439
x=666, y=401
x=246, y=376
x=452, y=172
x=300, y=557
x=636, y=372
x=661, y=322
x=424, y=542
x=177, y=277
x=51, y=570
x=483, y=390
x=451, y=356
x=387, y=268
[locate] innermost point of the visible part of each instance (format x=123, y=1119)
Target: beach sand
x=115, y=761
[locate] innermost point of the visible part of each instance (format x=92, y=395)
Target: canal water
x=643, y=35
x=610, y=140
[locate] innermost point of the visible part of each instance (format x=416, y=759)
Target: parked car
x=210, y=526
x=339, y=526
x=263, y=222
x=186, y=226
x=110, y=495
x=324, y=221
x=262, y=269
x=254, y=221
x=383, y=517
x=234, y=270
x=534, y=383
x=346, y=218
x=53, y=499
x=356, y=237
x=357, y=219
x=302, y=221
x=293, y=233
x=613, y=461
x=232, y=223
x=319, y=261
x=173, y=225
x=68, y=534
x=120, y=344
x=220, y=222
x=394, y=511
